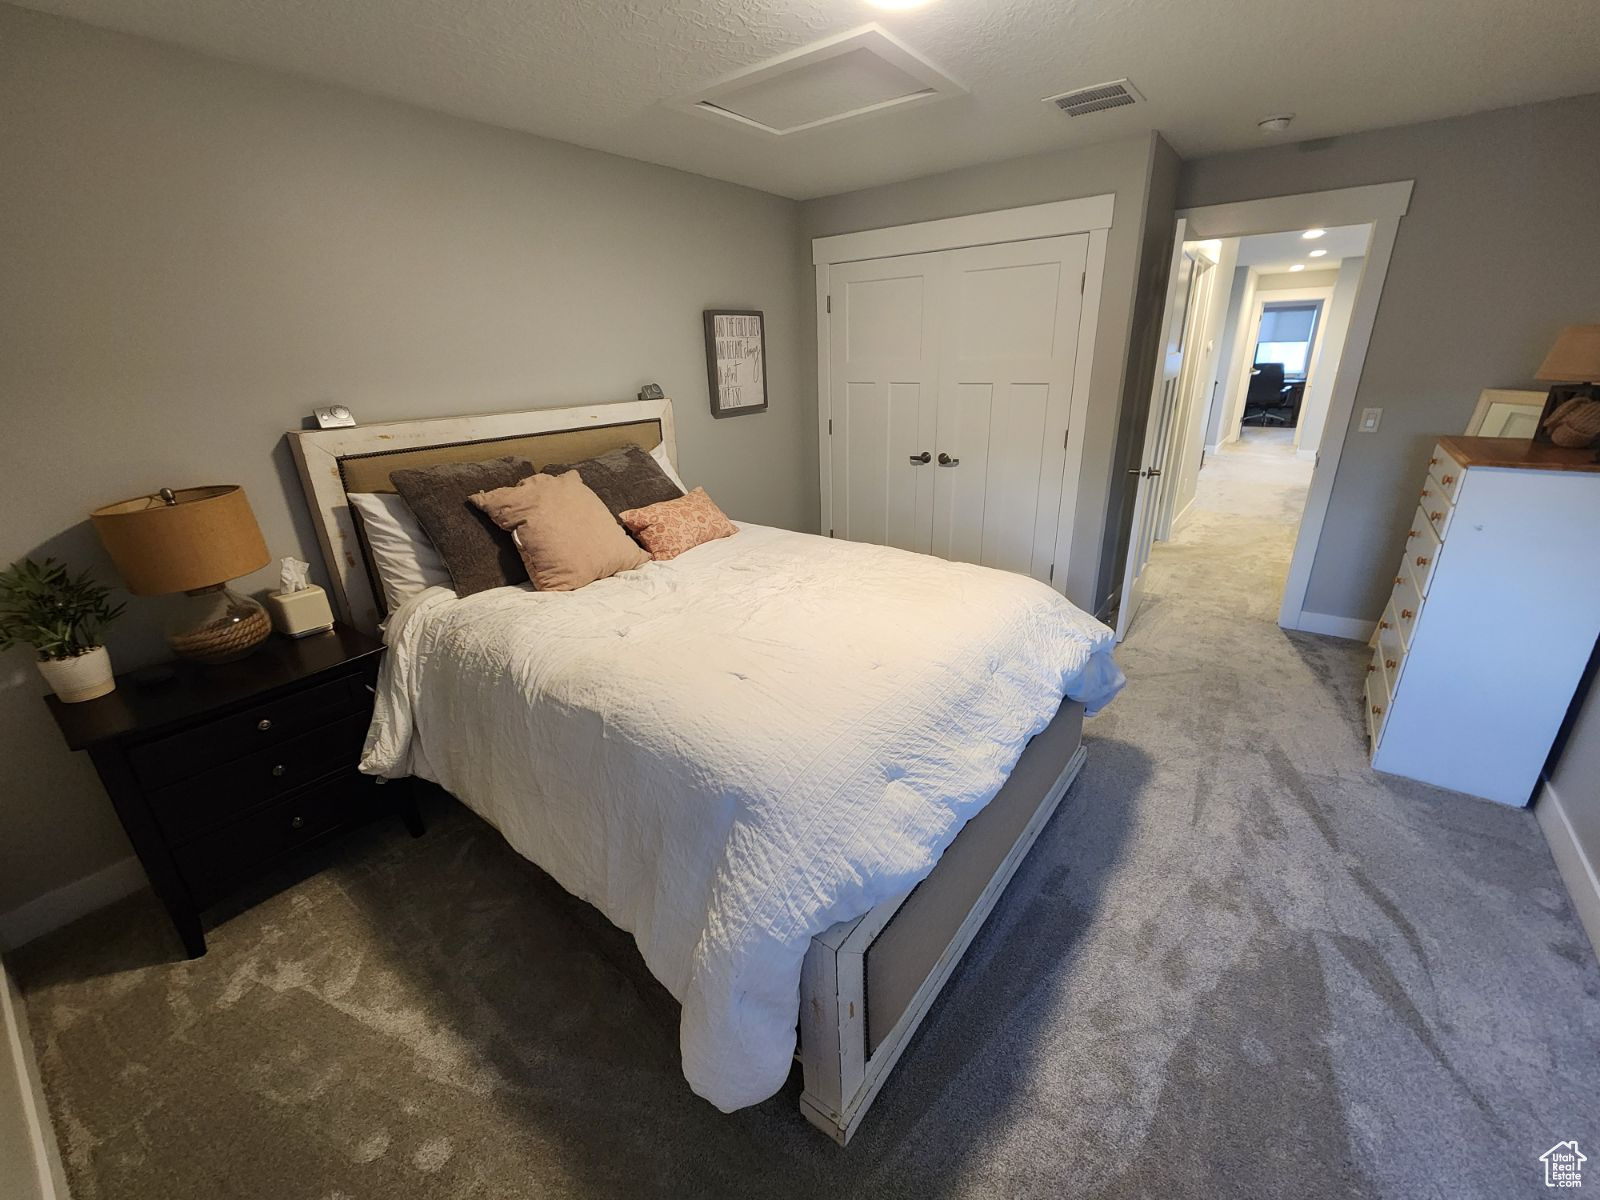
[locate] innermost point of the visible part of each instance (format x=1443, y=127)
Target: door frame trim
x=1382, y=205
x=1089, y=214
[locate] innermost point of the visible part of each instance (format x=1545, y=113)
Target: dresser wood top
x=1520, y=453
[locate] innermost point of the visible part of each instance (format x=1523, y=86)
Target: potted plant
x=62, y=618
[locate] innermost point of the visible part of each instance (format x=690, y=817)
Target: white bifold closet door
x=966, y=357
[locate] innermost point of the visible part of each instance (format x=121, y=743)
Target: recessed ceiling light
x=1275, y=124
x=1298, y=267
x=1318, y=253
x=1313, y=233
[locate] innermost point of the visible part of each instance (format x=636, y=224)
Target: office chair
x=1268, y=399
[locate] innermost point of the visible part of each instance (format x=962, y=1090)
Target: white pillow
x=659, y=453
x=405, y=557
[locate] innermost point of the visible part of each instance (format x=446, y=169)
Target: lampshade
x=202, y=537
x=1575, y=358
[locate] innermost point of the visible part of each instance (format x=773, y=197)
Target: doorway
x=1256, y=374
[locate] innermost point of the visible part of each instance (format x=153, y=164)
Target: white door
x=883, y=402
x=1009, y=347
x=1180, y=440
x=1163, y=401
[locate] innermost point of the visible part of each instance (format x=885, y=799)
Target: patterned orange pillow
x=669, y=528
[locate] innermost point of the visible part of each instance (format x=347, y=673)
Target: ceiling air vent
x=1080, y=102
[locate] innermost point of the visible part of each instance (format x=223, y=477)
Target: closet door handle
x=924, y=457
x=946, y=461
x=1149, y=472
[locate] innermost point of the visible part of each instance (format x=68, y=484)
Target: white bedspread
x=729, y=752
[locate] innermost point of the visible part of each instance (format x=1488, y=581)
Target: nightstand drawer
x=202, y=802
x=213, y=865
x=183, y=754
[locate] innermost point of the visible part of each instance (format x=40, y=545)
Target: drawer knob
x=1377, y=710
x=1371, y=667
x=296, y=822
x=1448, y=479
x=264, y=724
x=1398, y=581
x=1436, y=515
x=1383, y=624
x=1390, y=663
x=277, y=770
x=1433, y=462
x=1406, y=614
x=1421, y=562
x=1426, y=492
x=1410, y=533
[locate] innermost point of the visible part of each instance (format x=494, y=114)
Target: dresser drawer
x=1376, y=704
x=202, y=802
x=1436, y=506
x=1422, y=550
x=188, y=753
x=1447, y=472
x=1406, y=603
x=1391, y=651
x=213, y=865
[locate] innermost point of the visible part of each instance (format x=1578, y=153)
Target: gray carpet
x=1237, y=964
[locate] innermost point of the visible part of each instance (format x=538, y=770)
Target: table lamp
x=193, y=541
x=1571, y=415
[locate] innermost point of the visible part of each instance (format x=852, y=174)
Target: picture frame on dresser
x=1506, y=412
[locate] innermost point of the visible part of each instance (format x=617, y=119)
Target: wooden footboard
x=867, y=983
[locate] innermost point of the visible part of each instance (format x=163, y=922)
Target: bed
x=800, y=802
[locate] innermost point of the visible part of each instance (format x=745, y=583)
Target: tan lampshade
x=208, y=536
x=1575, y=358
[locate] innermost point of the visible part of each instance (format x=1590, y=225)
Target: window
x=1286, y=335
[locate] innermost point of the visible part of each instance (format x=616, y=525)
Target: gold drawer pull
x=1421, y=562
x=1410, y=533
x=1398, y=580
x=1435, y=516
x=1406, y=614
x=1371, y=667
x=1426, y=492
x=1377, y=710
x=264, y=724
x=1448, y=480
x=1433, y=462
x=1390, y=663
x=1383, y=625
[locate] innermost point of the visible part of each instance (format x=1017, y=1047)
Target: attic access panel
x=841, y=79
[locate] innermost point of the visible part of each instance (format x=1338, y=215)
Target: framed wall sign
x=736, y=361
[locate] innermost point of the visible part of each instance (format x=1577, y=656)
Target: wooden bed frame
x=866, y=984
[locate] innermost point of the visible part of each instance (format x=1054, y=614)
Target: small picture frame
x=736, y=361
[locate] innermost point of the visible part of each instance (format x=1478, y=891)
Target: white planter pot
x=82, y=678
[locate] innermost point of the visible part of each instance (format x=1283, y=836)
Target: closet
x=952, y=380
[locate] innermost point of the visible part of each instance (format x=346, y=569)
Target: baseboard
x=1577, y=872
x=1340, y=627
x=66, y=904
x=19, y=1070
x=1177, y=521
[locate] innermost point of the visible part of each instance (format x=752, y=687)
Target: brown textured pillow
x=668, y=529
x=624, y=478
x=478, y=555
x=566, y=536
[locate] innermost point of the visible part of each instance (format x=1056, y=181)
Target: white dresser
x=1495, y=610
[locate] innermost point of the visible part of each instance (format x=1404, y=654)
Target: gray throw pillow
x=478, y=554
x=624, y=478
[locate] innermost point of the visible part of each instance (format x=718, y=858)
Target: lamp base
x=216, y=625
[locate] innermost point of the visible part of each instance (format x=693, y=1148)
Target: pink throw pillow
x=566, y=535
x=669, y=528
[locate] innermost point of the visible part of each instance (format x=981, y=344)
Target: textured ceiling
x=596, y=72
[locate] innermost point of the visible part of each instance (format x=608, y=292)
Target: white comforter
x=729, y=752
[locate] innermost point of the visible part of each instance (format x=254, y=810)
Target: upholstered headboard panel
x=370, y=472
x=335, y=462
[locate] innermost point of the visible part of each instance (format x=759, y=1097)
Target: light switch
x=1369, y=420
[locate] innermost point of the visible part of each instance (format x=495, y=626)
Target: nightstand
x=224, y=771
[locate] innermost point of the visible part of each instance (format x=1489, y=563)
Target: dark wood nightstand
x=223, y=771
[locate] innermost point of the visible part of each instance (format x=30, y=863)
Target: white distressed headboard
x=334, y=462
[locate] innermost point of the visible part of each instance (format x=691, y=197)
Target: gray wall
x=1575, y=777
x=1499, y=250
x=197, y=253
x=1123, y=167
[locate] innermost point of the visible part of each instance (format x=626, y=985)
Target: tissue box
x=302, y=613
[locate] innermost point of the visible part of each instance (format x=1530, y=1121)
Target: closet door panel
x=882, y=391
x=1005, y=400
